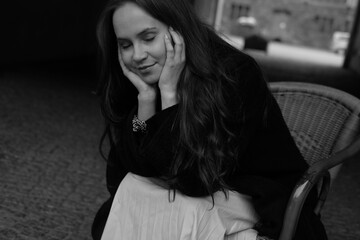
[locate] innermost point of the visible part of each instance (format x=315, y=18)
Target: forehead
x=130, y=19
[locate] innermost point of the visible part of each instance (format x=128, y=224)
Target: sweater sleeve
x=146, y=154
x=142, y=155
x=115, y=171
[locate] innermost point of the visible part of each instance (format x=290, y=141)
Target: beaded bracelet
x=138, y=125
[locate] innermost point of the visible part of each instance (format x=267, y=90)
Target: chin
x=151, y=81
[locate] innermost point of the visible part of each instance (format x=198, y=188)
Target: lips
x=145, y=67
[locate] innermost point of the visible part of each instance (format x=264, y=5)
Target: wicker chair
x=325, y=123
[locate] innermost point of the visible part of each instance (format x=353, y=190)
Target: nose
x=140, y=53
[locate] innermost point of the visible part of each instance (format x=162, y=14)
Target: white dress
x=141, y=210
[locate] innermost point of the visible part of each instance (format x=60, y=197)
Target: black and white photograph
x=180, y=120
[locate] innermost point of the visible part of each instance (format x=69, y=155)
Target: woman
x=189, y=113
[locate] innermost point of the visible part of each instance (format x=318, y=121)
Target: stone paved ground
x=52, y=176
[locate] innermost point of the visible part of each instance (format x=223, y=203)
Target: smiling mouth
x=144, y=68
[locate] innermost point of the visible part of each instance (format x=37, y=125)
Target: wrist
x=168, y=99
x=166, y=87
x=168, y=94
x=147, y=96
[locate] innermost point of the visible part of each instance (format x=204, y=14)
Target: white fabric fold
x=141, y=210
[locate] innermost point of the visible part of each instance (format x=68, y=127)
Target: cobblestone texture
x=52, y=176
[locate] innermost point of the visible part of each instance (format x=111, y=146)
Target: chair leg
x=324, y=190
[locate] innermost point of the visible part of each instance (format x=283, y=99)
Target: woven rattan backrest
x=322, y=120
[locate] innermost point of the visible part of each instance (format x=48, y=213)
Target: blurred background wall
x=47, y=30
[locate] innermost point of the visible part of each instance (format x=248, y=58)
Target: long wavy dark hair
x=206, y=142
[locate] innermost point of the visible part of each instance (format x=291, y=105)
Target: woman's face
x=140, y=39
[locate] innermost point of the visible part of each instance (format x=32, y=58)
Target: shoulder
x=243, y=79
x=229, y=56
x=241, y=65
x=242, y=72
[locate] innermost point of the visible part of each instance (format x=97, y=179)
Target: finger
x=122, y=64
x=129, y=74
x=179, y=45
x=183, y=48
x=169, y=48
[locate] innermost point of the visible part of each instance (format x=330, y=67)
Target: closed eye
x=149, y=37
x=124, y=45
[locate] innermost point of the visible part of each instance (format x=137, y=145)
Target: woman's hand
x=146, y=96
x=174, y=64
x=146, y=91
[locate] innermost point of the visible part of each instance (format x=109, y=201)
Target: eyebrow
x=146, y=30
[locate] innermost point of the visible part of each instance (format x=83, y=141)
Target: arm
x=174, y=65
x=146, y=105
x=115, y=172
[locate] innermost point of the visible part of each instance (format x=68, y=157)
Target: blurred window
x=308, y=25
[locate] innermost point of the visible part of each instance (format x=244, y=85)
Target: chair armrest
x=311, y=177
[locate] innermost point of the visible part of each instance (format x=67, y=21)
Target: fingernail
x=171, y=29
x=166, y=36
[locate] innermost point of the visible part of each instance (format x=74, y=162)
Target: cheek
x=126, y=57
x=159, y=52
